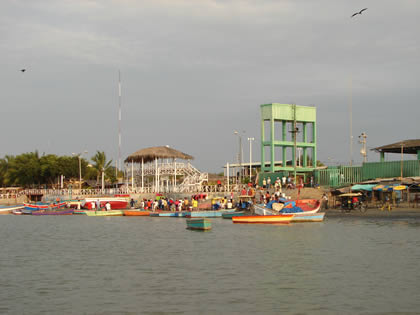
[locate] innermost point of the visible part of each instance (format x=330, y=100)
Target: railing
x=82, y=193
x=347, y=175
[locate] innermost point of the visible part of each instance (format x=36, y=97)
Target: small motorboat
x=202, y=224
x=264, y=219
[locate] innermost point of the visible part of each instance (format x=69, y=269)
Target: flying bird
x=23, y=70
x=360, y=12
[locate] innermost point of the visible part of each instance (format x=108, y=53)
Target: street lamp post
x=239, y=155
x=79, y=155
x=250, y=157
x=103, y=179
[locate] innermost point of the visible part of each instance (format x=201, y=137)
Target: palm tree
x=101, y=165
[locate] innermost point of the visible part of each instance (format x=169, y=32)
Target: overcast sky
x=193, y=71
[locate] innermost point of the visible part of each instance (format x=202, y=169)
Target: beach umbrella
x=379, y=187
x=400, y=187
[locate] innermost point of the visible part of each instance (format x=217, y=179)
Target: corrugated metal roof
x=409, y=147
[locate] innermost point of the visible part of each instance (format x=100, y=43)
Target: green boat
x=230, y=215
x=110, y=213
x=199, y=224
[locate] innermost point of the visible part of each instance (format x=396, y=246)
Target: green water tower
x=288, y=138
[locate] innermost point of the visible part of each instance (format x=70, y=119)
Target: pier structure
x=158, y=169
x=288, y=134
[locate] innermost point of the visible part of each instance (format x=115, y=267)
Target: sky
x=193, y=72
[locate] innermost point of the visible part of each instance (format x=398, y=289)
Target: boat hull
x=308, y=206
x=116, y=203
x=136, y=213
x=47, y=212
x=7, y=210
x=308, y=217
x=267, y=219
x=35, y=207
x=111, y=213
x=230, y=215
x=201, y=224
x=206, y=214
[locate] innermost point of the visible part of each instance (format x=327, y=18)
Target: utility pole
x=79, y=156
x=294, y=133
x=250, y=157
x=239, y=156
x=402, y=160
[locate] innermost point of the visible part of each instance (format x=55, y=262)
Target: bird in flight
x=23, y=70
x=360, y=12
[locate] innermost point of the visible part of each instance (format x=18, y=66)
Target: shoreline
x=374, y=213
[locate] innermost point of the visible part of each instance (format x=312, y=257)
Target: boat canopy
x=365, y=187
x=389, y=187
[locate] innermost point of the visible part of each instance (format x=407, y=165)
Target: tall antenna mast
x=351, y=120
x=119, y=119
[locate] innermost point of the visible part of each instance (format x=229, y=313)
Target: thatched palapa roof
x=150, y=154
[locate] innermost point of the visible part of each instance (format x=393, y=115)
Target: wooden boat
x=79, y=211
x=115, y=202
x=137, y=213
x=307, y=205
x=199, y=224
x=206, y=214
x=44, y=206
x=266, y=219
x=10, y=209
x=230, y=215
x=48, y=212
x=308, y=217
x=110, y=213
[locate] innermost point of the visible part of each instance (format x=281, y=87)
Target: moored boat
x=199, y=224
x=44, y=206
x=291, y=207
x=79, y=211
x=10, y=209
x=116, y=203
x=206, y=214
x=48, y=212
x=230, y=215
x=110, y=213
x=266, y=219
x=308, y=217
x=137, y=213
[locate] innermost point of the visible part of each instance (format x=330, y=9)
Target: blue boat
x=206, y=214
x=199, y=224
x=167, y=214
x=230, y=215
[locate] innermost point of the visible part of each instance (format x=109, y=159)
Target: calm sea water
x=131, y=265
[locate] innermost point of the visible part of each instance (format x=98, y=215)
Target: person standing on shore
x=325, y=201
x=268, y=182
x=108, y=206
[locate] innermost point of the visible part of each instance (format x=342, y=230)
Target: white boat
x=10, y=209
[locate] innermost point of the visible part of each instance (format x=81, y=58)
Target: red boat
x=116, y=203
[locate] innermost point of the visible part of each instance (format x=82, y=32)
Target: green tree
x=101, y=164
x=25, y=170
